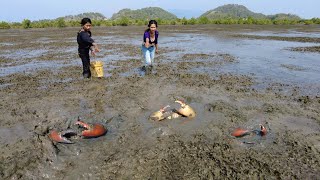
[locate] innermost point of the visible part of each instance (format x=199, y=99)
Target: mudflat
x=233, y=76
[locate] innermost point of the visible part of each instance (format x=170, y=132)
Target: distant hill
x=221, y=12
x=91, y=15
x=282, y=16
x=233, y=11
x=144, y=13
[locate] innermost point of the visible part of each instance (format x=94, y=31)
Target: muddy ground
x=53, y=94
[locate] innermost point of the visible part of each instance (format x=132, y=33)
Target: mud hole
x=35, y=102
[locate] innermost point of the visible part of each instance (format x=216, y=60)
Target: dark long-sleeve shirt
x=84, y=41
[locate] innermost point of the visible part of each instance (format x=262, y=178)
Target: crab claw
x=162, y=114
x=92, y=130
x=239, y=132
x=263, y=130
x=185, y=109
x=61, y=137
x=164, y=108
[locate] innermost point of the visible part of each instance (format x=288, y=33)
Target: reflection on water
x=265, y=59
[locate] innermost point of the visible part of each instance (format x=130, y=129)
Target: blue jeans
x=148, y=54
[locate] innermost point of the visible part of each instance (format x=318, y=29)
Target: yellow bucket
x=96, y=68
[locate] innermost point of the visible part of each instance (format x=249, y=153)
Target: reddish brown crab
x=91, y=130
x=240, y=132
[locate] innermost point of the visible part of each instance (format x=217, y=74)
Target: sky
x=17, y=10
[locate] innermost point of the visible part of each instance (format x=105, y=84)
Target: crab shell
x=185, y=110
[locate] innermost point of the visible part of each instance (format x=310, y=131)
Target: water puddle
x=266, y=60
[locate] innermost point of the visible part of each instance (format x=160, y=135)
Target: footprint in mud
x=146, y=70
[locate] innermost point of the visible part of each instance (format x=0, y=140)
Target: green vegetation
x=4, y=25
x=26, y=23
x=144, y=13
x=227, y=14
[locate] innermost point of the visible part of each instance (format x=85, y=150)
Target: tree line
x=60, y=22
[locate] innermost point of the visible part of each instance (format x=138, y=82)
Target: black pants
x=85, y=58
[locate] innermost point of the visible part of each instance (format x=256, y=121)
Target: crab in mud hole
x=91, y=130
x=185, y=110
x=62, y=137
x=240, y=132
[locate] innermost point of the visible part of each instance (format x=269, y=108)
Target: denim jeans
x=148, y=54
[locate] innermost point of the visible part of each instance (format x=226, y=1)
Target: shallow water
x=267, y=60
x=264, y=59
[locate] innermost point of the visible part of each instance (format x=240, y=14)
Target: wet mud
x=315, y=49
x=280, y=38
x=40, y=97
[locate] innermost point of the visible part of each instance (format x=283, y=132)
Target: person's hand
x=157, y=52
x=96, y=49
x=93, y=53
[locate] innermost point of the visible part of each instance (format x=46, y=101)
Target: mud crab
x=62, y=137
x=240, y=132
x=165, y=113
x=91, y=130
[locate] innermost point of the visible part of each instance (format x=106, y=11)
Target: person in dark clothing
x=86, y=43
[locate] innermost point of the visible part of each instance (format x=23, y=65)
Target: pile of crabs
x=185, y=110
x=182, y=110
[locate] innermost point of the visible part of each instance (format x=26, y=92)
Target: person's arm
x=147, y=44
x=94, y=49
x=95, y=46
x=157, y=48
x=86, y=38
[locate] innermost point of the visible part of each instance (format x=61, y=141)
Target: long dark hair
x=149, y=24
x=85, y=21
